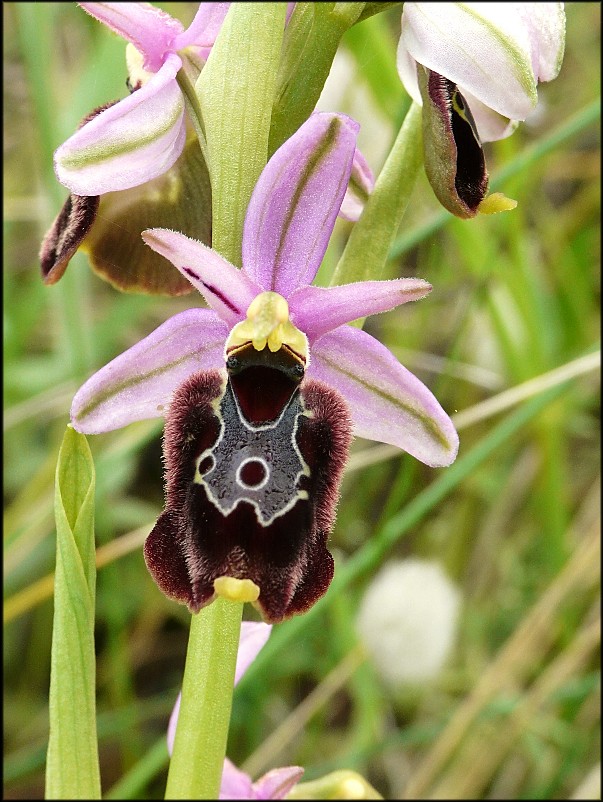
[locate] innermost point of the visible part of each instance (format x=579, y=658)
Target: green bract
x=72, y=769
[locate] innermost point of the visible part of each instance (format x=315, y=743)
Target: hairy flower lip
x=268, y=534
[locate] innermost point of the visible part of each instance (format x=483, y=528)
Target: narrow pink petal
x=253, y=637
x=204, y=29
x=360, y=187
x=129, y=143
x=139, y=383
x=235, y=783
x=316, y=310
x=387, y=402
x=295, y=203
x=225, y=288
x=150, y=29
x=484, y=47
x=277, y=783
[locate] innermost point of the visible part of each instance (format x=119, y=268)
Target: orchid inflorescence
x=263, y=391
x=263, y=388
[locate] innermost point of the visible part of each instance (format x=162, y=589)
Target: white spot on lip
x=264, y=481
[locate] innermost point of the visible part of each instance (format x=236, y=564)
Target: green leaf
x=311, y=41
x=72, y=767
x=368, y=246
x=236, y=92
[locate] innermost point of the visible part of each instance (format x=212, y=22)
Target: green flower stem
x=200, y=744
x=311, y=41
x=186, y=78
x=368, y=247
x=237, y=113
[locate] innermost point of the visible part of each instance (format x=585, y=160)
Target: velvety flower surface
x=268, y=437
x=236, y=784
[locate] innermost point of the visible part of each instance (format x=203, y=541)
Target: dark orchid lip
x=247, y=497
x=70, y=228
x=454, y=157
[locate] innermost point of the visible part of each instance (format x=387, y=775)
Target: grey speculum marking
x=271, y=445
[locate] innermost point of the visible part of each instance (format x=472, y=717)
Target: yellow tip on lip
x=236, y=590
x=495, y=203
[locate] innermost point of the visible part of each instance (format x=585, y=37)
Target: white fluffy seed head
x=408, y=619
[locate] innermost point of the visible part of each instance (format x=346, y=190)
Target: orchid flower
x=140, y=140
x=254, y=453
x=141, y=136
x=132, y=165
x=236, y=784
x=475, y=68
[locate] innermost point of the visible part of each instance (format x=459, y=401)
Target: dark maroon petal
x=246, y=500
x=324, y=441
x=66, y=234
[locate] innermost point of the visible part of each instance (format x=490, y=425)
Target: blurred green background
x=515, y=713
